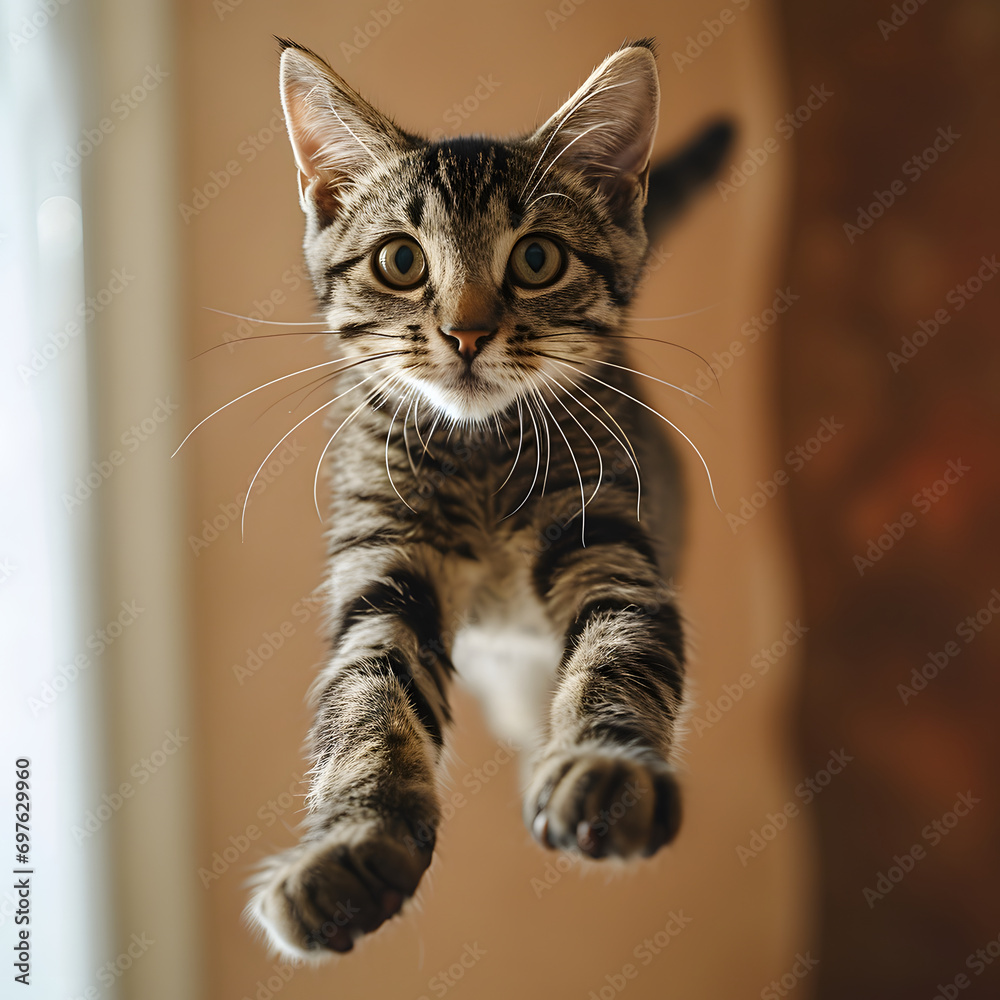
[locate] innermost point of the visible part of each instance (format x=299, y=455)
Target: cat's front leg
x=377, y=740
x=604, y=782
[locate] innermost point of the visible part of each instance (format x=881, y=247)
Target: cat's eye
x=400, y=263
x=536, y=261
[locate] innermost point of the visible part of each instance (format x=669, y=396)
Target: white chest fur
x=506, y=651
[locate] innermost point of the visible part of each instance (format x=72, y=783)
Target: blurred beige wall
x=242, y=233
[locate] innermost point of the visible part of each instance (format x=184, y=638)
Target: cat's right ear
x=335, y=133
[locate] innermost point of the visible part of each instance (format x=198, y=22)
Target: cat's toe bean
x=606, y=806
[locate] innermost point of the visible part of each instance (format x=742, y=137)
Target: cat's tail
x=674, y=181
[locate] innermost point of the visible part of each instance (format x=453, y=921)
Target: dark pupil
x=404, y=259
x=534, y=256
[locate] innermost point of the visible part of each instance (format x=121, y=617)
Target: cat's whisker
x=656, y=413
x=294, y=333
x=600, y=457
x=579, y=474
x=538, y=457
x=263, y=322
x=635, y=371
x=284, y=438
x=501, y=435
x=416, y=426
x=282, y=378
x=262, y=336
x=629, y=450
x=628, y=336
x=610, y=416
x=416, y=420
x=548, y=444
x=430, y=437
x=520, y=442
x=633, y=454
x=660, y=319
x=406, y=438
x=315, y=383
x=388, y=435
x=344, y=423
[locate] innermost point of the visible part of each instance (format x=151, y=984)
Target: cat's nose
x=467, y=341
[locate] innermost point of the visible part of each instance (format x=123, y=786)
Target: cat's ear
x=605, y=131
x=335, y=133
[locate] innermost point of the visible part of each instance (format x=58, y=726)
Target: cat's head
x=473, y=258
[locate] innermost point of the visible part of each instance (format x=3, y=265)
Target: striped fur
x=484, y=506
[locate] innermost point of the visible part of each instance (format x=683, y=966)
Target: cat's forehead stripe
x=467, y=171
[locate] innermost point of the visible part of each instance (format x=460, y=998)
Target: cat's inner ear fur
x=335, y=133
x=605, y=131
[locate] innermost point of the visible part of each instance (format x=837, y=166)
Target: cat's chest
x=504, y=647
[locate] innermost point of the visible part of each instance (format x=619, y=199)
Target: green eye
x=536, y=261
x=400, y=263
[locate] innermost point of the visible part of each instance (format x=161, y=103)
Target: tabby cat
x=491, y=450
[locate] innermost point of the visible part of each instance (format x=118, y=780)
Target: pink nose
x=468, y=340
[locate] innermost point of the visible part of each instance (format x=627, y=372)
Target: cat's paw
x=603, y=805
x=324, y=894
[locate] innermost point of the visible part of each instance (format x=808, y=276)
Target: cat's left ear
x=335, y=133
x=605, y=131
